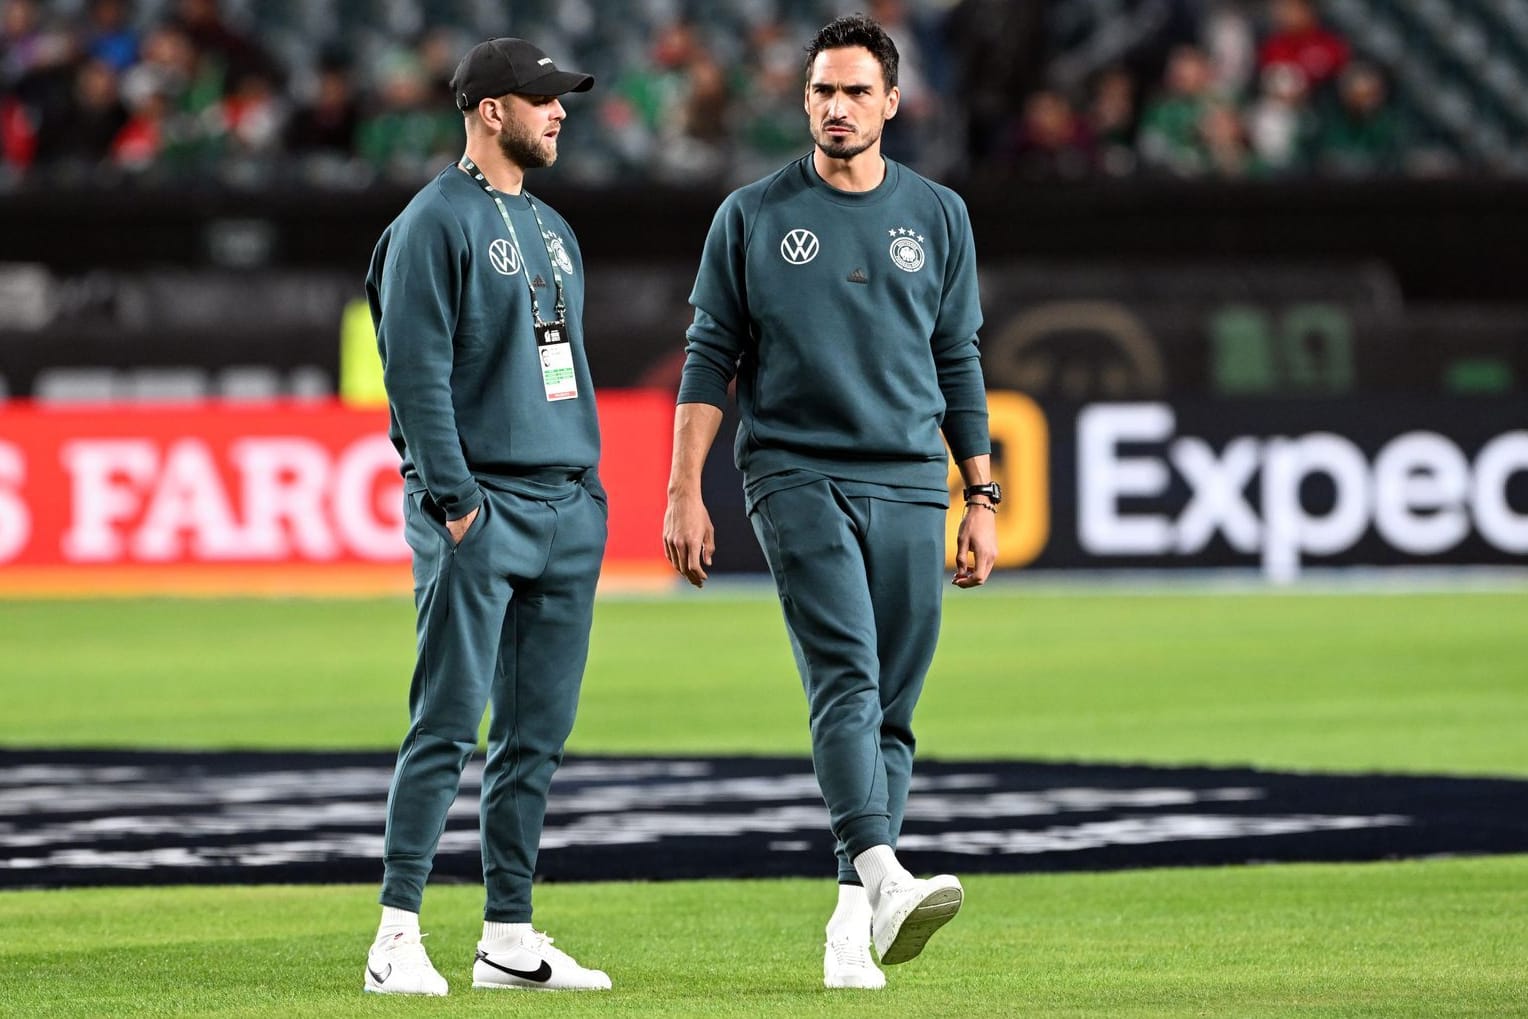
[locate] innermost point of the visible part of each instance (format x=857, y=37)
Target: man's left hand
x=975, y=546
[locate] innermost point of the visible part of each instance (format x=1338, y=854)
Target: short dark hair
x=856, y=30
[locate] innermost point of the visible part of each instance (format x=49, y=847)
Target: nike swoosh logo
x=541, y=974
x=380, y=977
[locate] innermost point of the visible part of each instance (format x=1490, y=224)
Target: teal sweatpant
x=860, y=583
x=503, y=623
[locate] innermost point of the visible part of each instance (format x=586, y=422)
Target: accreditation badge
x=556, y=354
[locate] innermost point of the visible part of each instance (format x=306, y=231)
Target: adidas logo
x=538, y=281
x=858, y=276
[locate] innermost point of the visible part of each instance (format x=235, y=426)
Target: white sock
x=504, y=935
x=878, y=866
x=397, y=921
x=851, y=919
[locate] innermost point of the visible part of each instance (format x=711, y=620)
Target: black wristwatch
x=992, y=490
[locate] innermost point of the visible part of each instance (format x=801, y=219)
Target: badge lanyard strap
x=561, y=307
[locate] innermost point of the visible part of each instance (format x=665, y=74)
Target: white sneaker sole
x=855, y=982
x=905, y=937
x=511, y=984
x=371, y=988
x=484, y=985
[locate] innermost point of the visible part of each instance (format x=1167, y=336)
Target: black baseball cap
x=501, y=66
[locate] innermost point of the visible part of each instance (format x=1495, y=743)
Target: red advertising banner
x=268, y=497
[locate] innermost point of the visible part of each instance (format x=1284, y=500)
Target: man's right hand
x=459, y=526
x=688, y=537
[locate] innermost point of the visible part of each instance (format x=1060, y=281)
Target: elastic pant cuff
x=862, y=833
x=507, y=915
x=400, y=900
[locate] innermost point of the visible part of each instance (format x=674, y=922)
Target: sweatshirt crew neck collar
x=876, y=194
x=510, y=201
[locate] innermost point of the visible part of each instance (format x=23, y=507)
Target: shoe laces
x=407, y=950
x=850, y=952
x=540, y=943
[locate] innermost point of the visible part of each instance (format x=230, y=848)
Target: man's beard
x=847, y=148
x=526, y=150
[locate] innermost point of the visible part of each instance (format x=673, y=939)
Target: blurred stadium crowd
x=344, y=93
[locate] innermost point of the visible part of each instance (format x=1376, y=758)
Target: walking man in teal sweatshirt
x=841, y=293
x=477, y=294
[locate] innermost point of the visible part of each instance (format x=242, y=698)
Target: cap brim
x=556, y=83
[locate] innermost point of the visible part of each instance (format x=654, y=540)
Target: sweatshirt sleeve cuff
x=461, y=500
x=967, y=435
x=694, y=387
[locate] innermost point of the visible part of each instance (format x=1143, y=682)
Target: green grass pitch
x=1419, y=683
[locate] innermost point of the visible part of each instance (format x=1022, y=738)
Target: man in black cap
x=477, y=295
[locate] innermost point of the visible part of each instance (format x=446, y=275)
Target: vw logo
x=799, y=247
x=504, y=257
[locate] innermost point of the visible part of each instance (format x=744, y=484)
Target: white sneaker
x=534, y=965
x=846, y=963
x=907, y=915
x=399, y=965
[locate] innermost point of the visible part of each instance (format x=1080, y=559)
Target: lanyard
x=561, y=306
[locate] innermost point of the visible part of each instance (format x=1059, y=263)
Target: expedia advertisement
x=1276, y=485
x=1279, y=485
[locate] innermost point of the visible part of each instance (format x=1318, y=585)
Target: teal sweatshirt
x=849, y=320
x=460, y=363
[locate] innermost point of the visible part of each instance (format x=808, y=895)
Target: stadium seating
x=1456, y=66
